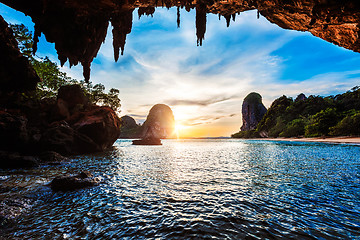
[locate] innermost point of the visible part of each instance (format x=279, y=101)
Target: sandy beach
x=350, y=140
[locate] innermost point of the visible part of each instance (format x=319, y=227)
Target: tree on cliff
x=52, y=78
x=314, y=116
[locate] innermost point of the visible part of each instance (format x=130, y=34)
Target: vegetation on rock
x=52, y=78
x=314, y=116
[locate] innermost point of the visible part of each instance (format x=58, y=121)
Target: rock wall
x=253, y=111
x=16, y=74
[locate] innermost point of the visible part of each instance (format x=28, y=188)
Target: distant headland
x=310, y=117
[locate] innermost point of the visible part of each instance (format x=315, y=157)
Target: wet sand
x=350, y=140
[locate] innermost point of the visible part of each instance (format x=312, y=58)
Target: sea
x=198, y=189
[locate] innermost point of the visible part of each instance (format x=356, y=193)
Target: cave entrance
x=163, y=61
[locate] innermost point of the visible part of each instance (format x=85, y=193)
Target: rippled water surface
x=202, y=189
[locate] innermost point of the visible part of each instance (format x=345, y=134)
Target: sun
x=179, y=129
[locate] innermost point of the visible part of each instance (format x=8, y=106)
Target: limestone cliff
x=160, y=122
x=129, y=128
x=253, y=111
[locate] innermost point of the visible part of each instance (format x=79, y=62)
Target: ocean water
x=200, y=189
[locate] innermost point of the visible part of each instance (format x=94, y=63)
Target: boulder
x=12, y=160
x=62, y=138
x=73, y=95
x=100, y=124
x=253, y=111
x=70, y=183
x=70, y=99
x=52, y=157
x=13, y=131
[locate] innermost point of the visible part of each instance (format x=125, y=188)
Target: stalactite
x=258, y=14
x=62, y=59
x=233, y=17
x=86, y=70
x=122, y=24
x=228, y=18
x=37, y=34
x=148, y=11
x=178, y=17
x=200, y=23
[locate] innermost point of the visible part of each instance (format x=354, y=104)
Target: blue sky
x=205, y=85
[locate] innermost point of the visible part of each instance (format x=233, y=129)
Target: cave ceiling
x=79, y=27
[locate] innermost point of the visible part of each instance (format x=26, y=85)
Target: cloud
x=201, y=120
x=206, y=102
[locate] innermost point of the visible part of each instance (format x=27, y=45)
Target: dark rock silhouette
x=13, y=131
x=160, y=122
x=129, y=128
x=100, y=124
x=78, y=28
x=128, y=122
x=16, y=73
x=14, y=160
x=253, y=111
x=300, y=97
x=70, y=183
x=52, y=157
x=73, y=128
x=147, y=141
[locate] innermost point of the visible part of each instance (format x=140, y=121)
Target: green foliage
x=246, y=134
x=295, y=128
x=24, y=38
x=253, y=98
x=52, y=78
x=270, y=119
x=321, y=122
x=312, y=117
x=349, y=125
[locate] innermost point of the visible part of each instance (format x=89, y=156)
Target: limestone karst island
x=167, y=119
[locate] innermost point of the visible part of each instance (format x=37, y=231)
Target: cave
x=78, y=27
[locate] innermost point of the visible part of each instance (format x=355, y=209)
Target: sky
x=205, y=85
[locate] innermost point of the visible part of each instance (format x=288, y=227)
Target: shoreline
x=339, y=140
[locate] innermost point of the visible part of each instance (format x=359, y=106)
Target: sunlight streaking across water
x=206, y=189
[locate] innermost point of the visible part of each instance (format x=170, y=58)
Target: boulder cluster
x=67, y=125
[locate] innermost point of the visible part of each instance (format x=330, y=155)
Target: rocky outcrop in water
x=13, y=160
x=129, y=128
x=253, y=111
x=78, y=28
x=160, y=122
x=70, y=183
